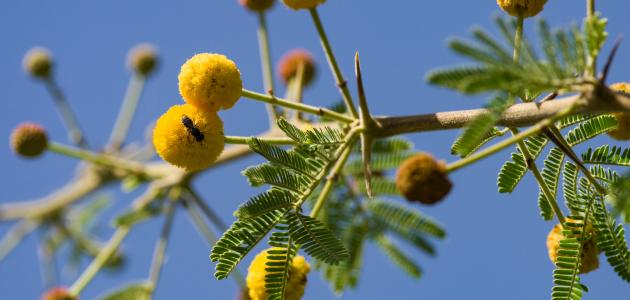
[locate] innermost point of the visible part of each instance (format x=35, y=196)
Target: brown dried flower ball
x=622, y=132
x=29, y=140
x=424, y=179
x=257, y=5
x=142, y=59
x=290, y=63
x=590, y=252
x=38, y=62
x=58, y=293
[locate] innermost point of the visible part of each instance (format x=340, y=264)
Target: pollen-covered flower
x=189, y=137
x=291, y=62
x=297, y=277
x=210, y=81
x=58, y=293
x=38, y=62
x=528, y=8
x=590, y=252
x=29, y=140
x=302, y=4
x=257, y=5
x=142, y=59
x=622, y=132
x=424, y=179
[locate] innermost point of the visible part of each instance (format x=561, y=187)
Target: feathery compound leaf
x=591, y=128
x=551, y=175
x=133, y=291
x=380, y=186
x=398, y=257
x=279, y=260
x=611, y=239
x=269, y=201
x=346, y=274
x=595, y=32
x=465, y=149
x=619, y=196
x=380, y=162
x=276, y=177
x=316, y=239
x=283, y=158
x=513, y=170
x=240, y=239
x=565, y=277
x=569, y=187
x=291, y=131
x=395, y=144
x=605, y=155
x=605, y=175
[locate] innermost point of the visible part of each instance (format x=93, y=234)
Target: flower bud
x=38, y=62
x=257, y=5
x=29, y=140
x=290, y=63
x=142, y=59
x=528, y=8
x=302, y=4
x=58, y=293
x=422, y=178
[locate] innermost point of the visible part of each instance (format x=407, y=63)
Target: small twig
x=15, y=235
x=267, y=69
x=205, y=208
x=332, y=61
x=70, y=120
x=604, y=75
x=244, y=140
x=160, y=246
x=127, y=111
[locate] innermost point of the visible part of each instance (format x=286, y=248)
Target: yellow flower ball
x=622, y=132
x=189, y=137
x=302, y=4
x=590, y=252
x=210, y=81
x=297, y=277
x=528, y=8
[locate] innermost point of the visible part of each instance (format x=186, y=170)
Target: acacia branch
x=600, y=100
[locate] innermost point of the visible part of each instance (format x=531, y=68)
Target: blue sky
x=495, y=247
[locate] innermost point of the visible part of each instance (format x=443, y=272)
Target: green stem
x=330, y=181
x=127, y=111
x=209, y=236
x=244, y=140
x=298, y=106
x=535, y=129
x=531, y=165
x=99, y=261
x=207, y=210
x=67, y=116
x=99, y=159
x=15, y=235
x=518, y=37
x=334, y=67
x=591, y=60
x=590, y=8
x=160, y=247
x=267, y=69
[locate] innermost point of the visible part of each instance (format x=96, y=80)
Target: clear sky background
x=495, y=247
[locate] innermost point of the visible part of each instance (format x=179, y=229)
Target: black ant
x=192, y=129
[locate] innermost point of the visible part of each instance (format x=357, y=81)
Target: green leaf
x=590, y=129
x=398, y=257
x=465, y=149
x=596, y=35
x=135, y=216
x=605, y=155
x=380, y=162
x=380, y=186
x=569, y=186
x=316, y=240
x=283, y=158
x=513, y=170
x=240, y=239
x=619, y=196
x=551, y=176
x=267, y=202
x=346, y=274
x=134, y=291
x=565, y=277
x=611, y=239
x=278, y=177
x=395, y=144
x=278, y=266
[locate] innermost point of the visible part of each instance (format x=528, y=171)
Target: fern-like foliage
x=565, y=277
x=397, y=256
x=293, y=176
x=494, y=70
x=279, y=259
x=606, y=155
x=611, y=239
x=591, y=128
x=464, y=148
x=514, y=170
x=551, y=176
